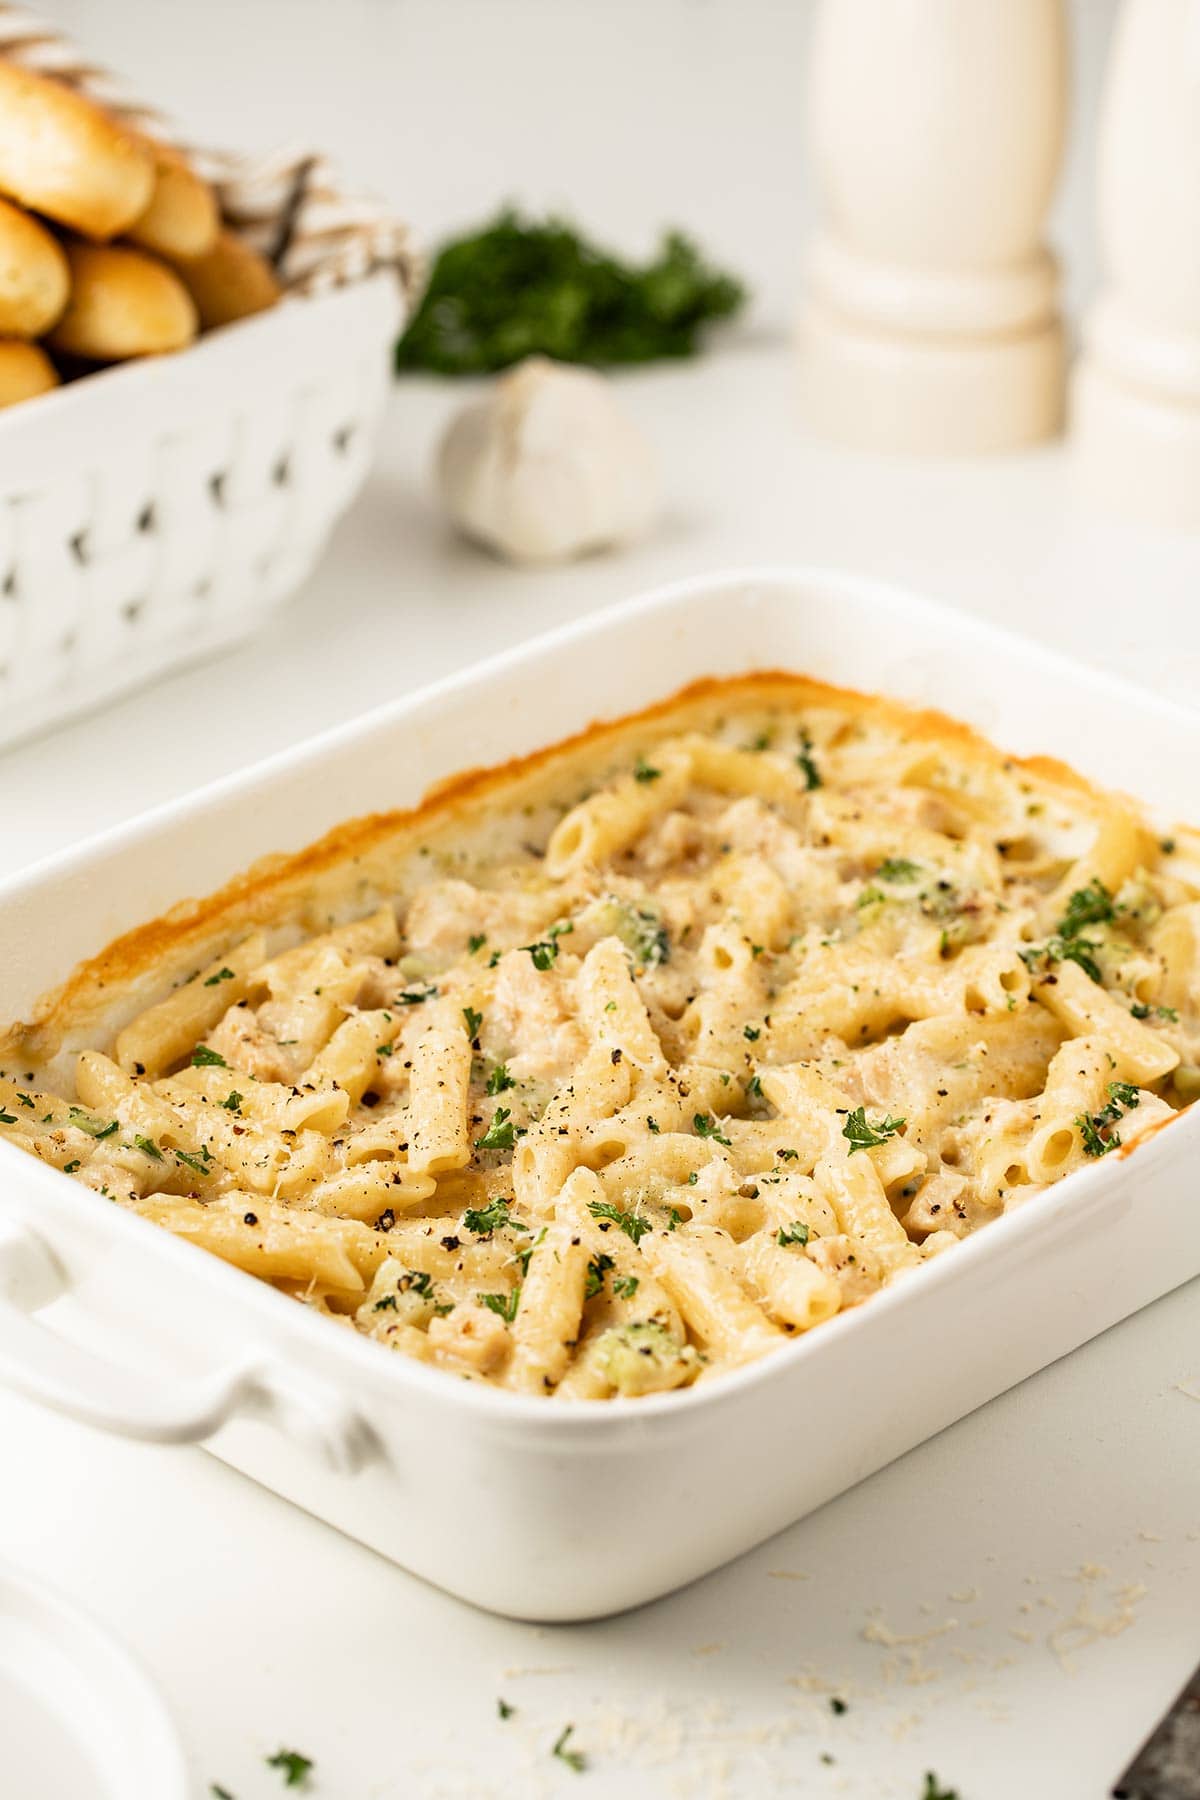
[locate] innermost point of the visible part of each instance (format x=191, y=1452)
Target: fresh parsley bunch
x=519, y=288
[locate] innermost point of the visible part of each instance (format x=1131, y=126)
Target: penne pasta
x=612, y=1071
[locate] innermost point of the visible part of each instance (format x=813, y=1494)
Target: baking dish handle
x=85, y=1386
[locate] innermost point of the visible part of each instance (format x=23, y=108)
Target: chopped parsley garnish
x=544, y=955
x=198, y=1163
x=643, y=772
x=674, y=1218
x=472, y=1020
x=898, y=868
x=752, y=1033
x=503, y=1305
x=294, y=1767
x=384, y=1049
x=70, y=1168
x=221, y=975
x=870, y=896
x=652, y=1125
x=483, y=1220
x=597, y=1269
x=935, y=1791
x=95, y=1128
x=387, y=1304
x=414, y=996
x=1093, y=1143
x=217, y=1792
x=504, y=1709
x=1077, y=950
x=1097, y=1129
x=7, y=1118
x=1140, y=1010
x=475, y=942
x=501, y=1134
x=861, y=1134
x=630, y=1223
x=795, y=1233
x=499, y=1079
x=625, y=1286
x=709, y=1128
x=204, y=1058
x=149, y=1147
x=806, y=762
x=523, y=1256
x=754, y=1087
x=1090, y=905
x=574, y=1759
x=836, y=1705
x=232, y=1101
x=26, y=1100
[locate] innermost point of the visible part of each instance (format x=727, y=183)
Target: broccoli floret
x=1137, y=904
x=1187, y=1083
x=644, y=1358
x=640, y=929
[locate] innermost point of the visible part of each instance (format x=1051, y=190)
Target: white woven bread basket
x=154, y=512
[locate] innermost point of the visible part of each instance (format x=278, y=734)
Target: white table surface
x=1012, y=1605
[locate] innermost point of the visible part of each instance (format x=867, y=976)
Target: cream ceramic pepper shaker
x=930, y=321
x=1136, y=392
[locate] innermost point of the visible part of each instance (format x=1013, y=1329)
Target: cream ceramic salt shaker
x=1136, y=392
x=930, y=321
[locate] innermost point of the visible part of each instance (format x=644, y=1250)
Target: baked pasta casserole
x=612, y=1070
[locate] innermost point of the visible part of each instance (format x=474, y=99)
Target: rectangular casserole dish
x=408, y=1461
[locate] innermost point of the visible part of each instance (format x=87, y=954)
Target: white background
x=628, y=114
x=1078, y=1490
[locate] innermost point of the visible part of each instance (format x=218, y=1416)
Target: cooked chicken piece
x=247, y=1045
x=471, y=1337
x=839, y=1256
x=530, y=1008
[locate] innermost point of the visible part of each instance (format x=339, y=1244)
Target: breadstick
x=33, y=275
x=123, y=303
x=25, y=371
x=182, y=218
x=63, y=156
x=230, y=282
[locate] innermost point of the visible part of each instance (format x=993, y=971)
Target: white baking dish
x=535, y=1509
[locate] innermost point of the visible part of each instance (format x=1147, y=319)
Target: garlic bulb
x=546, y=466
